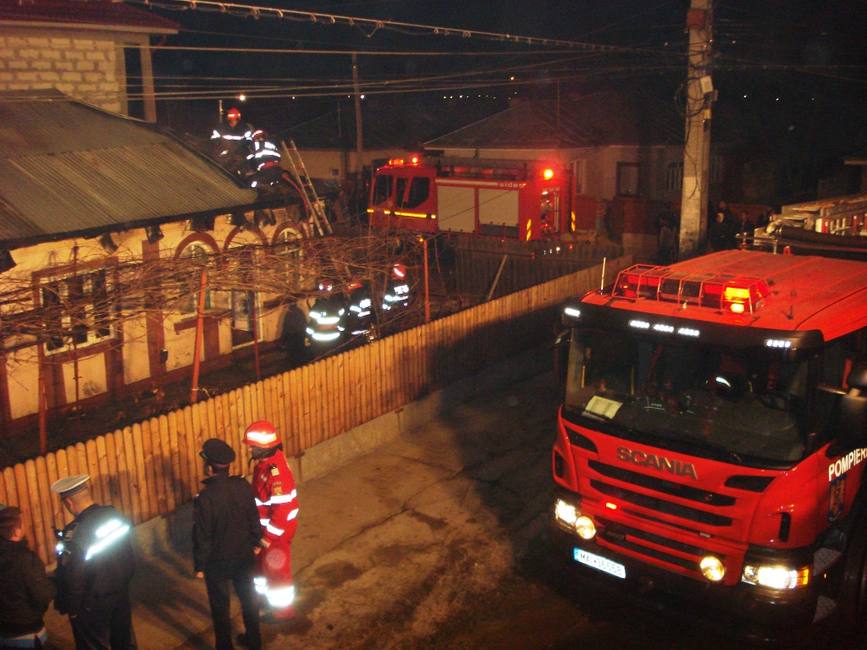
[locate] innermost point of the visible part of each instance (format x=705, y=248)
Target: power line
x=373, y=24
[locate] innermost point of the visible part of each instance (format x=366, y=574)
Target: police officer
x=277, y=498
x=226, y=535
x=94, y=568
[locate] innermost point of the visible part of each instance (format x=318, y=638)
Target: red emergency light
x=731, y=293
x=395, y=162
x=548, y=173
x=414, y=159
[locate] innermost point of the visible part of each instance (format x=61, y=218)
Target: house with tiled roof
x=625, y=153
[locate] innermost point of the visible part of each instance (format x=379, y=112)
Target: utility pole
x=696, y=149
x=359, y=130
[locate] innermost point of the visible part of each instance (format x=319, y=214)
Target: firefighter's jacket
x=397, y=295
x=94, y=561
x=360, y=314
x=225, y=524
x=327, y=319
x=277, y=499
x=25, y=590
x=241, y=133
x=264, y=154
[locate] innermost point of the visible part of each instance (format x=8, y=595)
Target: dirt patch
x=337, y=573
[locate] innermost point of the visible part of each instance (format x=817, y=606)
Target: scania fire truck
x=712, y=440
x=506, y=198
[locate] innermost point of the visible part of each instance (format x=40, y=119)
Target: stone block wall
x=81, y=64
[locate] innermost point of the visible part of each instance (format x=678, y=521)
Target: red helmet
x=398, y=271
x=261, y=434
x=326, y=285
x=259, y=135
x=233, y=115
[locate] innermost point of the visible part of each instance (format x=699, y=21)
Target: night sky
x=791, y=75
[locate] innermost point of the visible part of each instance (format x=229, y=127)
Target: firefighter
x=326, y=320
x=277, y=498
x=94, y=568
x=397, y=289
x=232, y=142
x=226, y=536
x=359, y=321
x=264, y=160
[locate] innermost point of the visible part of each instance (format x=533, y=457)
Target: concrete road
x=435, y=540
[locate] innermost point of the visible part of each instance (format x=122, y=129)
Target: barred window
x=76, y=310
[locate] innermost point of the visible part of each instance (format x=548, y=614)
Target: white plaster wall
x=23, y=378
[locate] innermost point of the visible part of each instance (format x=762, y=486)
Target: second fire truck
x=516, y=199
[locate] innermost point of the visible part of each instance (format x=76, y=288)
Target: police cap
x=217, y=452
x=68, y=486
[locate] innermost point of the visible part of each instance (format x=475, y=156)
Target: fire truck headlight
x=712, y=568
x=776, y=576
x=585, y=527
x=565, y=513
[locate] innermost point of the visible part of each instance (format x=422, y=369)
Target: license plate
x=599, y=563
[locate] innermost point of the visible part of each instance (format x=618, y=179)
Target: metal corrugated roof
x=604, y=118
x=67, y=167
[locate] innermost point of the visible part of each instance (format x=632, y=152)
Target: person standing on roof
x=232, y=141
x=94, y=568
x=277, y=498
x=226, y=535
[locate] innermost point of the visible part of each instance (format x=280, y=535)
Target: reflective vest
x=360, y=311
x=396, y=295
x=265, y=154
x=326, y=320
x=276, y=498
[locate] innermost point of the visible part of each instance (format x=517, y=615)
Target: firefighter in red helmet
x=397, y=294
x=277, y=500
x=232, y=141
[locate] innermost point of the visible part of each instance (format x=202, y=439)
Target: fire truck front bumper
x=742, y=608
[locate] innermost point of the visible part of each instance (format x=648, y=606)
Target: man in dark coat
x=95, y=564
x=25, y=590
x=226, y=535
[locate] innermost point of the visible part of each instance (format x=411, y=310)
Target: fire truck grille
x=661, y=485
x=630, y=539
x=660, y=505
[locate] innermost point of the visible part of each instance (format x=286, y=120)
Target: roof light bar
x=778, y=343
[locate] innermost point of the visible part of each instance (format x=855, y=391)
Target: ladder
x=315, y=207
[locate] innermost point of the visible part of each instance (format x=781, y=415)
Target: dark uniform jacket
x=226, y=526
x=95, y=562
x=25, y=590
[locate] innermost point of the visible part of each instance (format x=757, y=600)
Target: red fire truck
x=713, y=436
x=505, y=198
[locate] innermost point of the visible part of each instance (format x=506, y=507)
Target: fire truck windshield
x=738, y=405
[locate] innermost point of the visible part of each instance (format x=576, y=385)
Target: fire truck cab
x=504, y=198
x=713, y=435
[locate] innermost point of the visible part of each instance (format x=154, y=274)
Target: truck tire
x=853, y=588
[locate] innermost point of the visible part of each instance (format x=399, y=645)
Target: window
x=399, y=191
x=674, y=177
x=627, y=179
x=578, y=170
x=419, y=191
x=382, y=189
x=77, y=310
x=290, y=247
x=189, y=300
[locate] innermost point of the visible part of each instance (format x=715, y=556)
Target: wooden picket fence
x=152, y=467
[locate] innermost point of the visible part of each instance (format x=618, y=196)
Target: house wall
x=142, y=347
x=337, y=164
x=87, y=64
